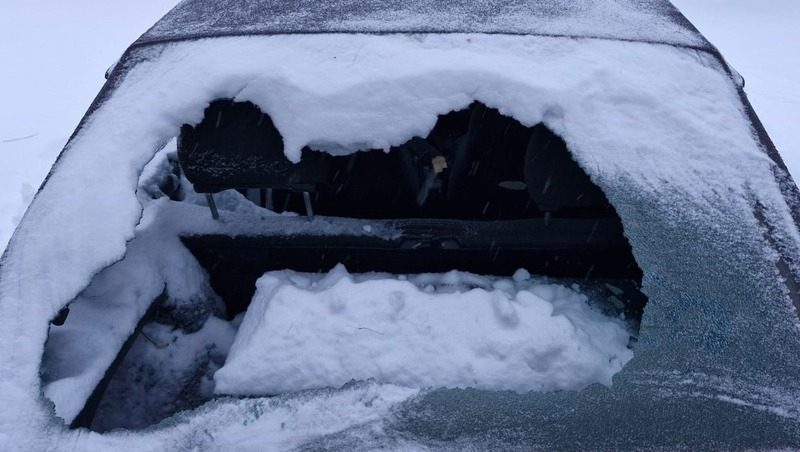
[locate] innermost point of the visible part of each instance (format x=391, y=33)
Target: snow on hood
x=660, y=129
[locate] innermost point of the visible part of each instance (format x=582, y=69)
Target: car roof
x=654, y=21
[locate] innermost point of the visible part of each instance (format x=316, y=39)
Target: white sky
x=761, y=40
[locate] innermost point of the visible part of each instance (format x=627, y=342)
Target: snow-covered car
x=362, y=224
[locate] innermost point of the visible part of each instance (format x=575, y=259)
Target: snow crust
x=167, y=370
x=630, y=20
x=660, y=129
x=457, y=330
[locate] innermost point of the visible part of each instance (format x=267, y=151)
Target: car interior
x=481, y=193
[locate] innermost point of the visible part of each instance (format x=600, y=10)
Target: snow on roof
x=632, y=20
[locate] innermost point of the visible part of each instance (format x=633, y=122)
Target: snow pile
x=305, y=331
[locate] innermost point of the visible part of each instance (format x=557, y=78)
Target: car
x=368, y=225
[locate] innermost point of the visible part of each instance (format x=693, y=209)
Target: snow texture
x=104, y=315
x=62, y=75
x=758, y=39
x=54, y=55
x=456, y=330
x=629, y=20
x=660, y=129
x=166, y=371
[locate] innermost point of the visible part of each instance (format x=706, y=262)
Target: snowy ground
x=54, y=55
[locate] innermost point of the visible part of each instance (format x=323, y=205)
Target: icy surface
x=649, y=135
x=456, y=330
x=166, y=371
x=642, y=20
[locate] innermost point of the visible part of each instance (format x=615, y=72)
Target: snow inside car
x=407, y=225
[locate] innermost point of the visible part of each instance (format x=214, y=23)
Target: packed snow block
x=455, y=330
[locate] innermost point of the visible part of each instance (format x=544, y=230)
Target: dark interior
x=475, y=164
x=481, y=193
